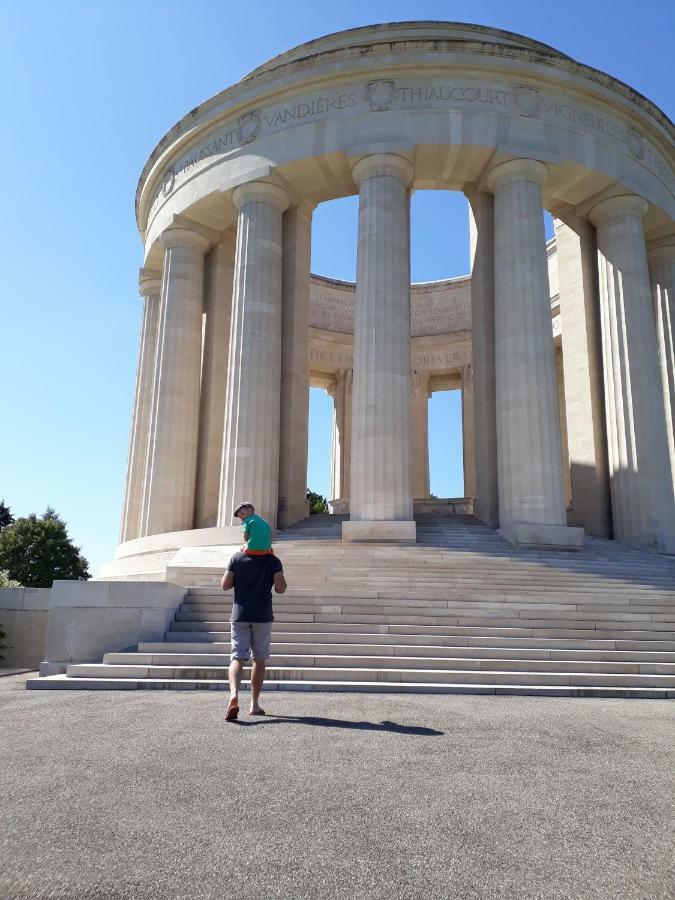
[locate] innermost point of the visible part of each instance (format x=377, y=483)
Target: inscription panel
x=415, y=94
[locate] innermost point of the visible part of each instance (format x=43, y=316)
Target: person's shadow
x=325, y=722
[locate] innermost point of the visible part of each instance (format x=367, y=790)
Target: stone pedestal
x=419, y=416
x=250, y=468
x=381, y=491
x=582, y=375
x=150, y=285
x=481, y=230
x=296, y=242
x=217, y=308
x=643, y=505
x=172, y=452
x=661, y=256
x=531, y=491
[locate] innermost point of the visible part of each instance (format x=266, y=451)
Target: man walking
x=252, y=578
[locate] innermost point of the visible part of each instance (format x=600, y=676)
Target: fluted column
x=481, y=232
x=340, y=391
x=297, y=235
x=381, y=490
x=250, y=467
x=468, y=432
x=531, y=491
x=172, y=451
x=150, y=285
x=419, y=418
x=661, y=256
x=217, y=308
x=643, y=505
x=584, y=403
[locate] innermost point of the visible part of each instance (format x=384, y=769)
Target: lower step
x=64, y=683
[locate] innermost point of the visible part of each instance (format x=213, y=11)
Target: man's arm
x=280, y=583
x=227, y=581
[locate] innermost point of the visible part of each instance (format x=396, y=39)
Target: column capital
x=260, y=192
x=149, y=282
x=516, y=170
x=661, y=248
x=624, y=205
x=182, y=236
x=382, y=164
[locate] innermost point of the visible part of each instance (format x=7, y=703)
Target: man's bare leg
x=234, y=674
x=257, y=678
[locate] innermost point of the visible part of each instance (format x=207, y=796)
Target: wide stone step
x=314, y=623
x=504, y=675
x=63, y=682
x=341, y=648
x=197, y=639
x=476, y=661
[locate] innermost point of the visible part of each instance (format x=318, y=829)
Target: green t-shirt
x=257, y=533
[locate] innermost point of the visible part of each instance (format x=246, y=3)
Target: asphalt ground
x=150, y=795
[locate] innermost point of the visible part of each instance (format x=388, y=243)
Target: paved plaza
x=144, y=795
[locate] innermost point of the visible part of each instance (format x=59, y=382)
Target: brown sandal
x=232, y=711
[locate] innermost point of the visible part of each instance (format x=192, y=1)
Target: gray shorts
x=250, y=638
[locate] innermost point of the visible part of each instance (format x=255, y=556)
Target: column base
x=532, y=534
x=379, y=532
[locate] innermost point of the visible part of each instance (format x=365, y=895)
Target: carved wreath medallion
x=248, y=127
x=380, y=94
x=527, y=100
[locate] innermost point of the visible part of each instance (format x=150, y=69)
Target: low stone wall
x=24, y=614
x=90, y=618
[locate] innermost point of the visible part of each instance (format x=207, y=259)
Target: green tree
x=317, y=503
x=6, y=581
x=36, y=550
x=6, y=517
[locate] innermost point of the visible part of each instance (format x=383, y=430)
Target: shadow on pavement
x=324, y=722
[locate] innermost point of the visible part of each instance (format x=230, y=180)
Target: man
x=252, y=578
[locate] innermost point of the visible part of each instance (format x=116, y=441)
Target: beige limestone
x=381, y=446
x=215, y=358
x=643, y=504
x=341, y=392
x=581, y=359
x=294, y=415
x=481, y=232
x=250, y=467
x=419, y=418
x=150, y=285
x=168, y=503
x=468, y=432
x=661, y=256
x=531, y=487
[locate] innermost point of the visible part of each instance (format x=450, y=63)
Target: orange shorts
x=269, y=552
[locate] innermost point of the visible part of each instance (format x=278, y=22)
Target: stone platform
x=460, y=612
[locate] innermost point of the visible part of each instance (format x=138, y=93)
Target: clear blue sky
x=87, y=90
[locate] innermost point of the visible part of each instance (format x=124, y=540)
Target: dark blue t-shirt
x=253, y=581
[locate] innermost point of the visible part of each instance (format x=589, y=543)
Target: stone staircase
x=460, y=612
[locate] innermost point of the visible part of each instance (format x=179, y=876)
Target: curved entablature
x=455, y=99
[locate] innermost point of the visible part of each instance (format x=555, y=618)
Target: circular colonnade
x=231, y=340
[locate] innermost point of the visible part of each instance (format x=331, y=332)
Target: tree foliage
x=37, y=550
x=6, y=517
x=6, y=581
x=317, y=503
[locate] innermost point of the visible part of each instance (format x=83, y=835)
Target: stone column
x=582, y=375
x=174, y=427
x=341, y=445
x=562, y=415
x=419, y=417
x=531, y=491
x=218, y=308
x=481, y=231
x=468, y=432
x=297, y=236
x=150, y=285
x=381, y=493
x=250, y=468
x=643, y=505
x=661, y=256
